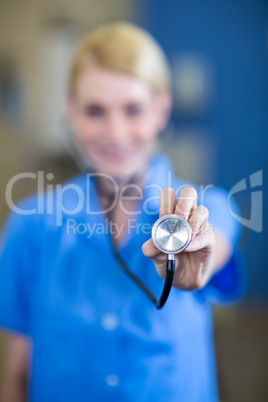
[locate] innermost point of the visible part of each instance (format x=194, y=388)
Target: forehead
x=107, y=86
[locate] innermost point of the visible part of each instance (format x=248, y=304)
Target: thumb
x=150, y=251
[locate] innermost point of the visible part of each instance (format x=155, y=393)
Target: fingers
x=150, y=251
x=204, y=239
x=184, y=207
x=201, y=242
x=167, y=202
x=186, y=202
x=197, y=219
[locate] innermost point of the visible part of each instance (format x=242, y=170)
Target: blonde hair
x=122, y=47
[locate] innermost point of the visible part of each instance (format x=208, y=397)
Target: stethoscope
x=171, y=234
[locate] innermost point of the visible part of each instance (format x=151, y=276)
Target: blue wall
x=233, y=35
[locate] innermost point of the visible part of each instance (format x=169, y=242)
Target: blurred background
x=218, y=130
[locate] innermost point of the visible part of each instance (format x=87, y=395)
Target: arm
x=15, y=379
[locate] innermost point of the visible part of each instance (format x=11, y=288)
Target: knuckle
x=198, y=280
x=197, y=284
x=181, y=209
x=195, y=227
x=210, y=228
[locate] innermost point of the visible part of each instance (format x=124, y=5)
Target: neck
x=110, y=190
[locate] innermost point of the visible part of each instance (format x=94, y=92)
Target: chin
x=120, y=171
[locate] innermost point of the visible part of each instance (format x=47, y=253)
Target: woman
x=95, y=334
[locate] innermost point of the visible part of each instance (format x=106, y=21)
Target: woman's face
x=116, y=118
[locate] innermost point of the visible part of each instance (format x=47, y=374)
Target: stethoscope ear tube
x=170, y=269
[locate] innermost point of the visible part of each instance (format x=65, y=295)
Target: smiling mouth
x=116, y=154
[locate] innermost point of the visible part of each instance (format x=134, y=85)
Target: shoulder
x=34, y=212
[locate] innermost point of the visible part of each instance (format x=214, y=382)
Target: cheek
x=84, y=129
x=147, y=129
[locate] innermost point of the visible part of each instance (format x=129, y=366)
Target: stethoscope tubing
x=170, y=264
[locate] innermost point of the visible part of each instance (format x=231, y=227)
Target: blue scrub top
x=96, y=336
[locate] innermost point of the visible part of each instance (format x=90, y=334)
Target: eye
x=94, y=111
x=133, y=110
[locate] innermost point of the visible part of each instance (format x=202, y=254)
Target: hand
x=193, y=266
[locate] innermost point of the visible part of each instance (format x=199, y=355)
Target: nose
x=116, y=130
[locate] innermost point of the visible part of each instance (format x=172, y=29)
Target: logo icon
x=255, y=220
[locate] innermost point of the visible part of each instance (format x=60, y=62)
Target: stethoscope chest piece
x=171, y=234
